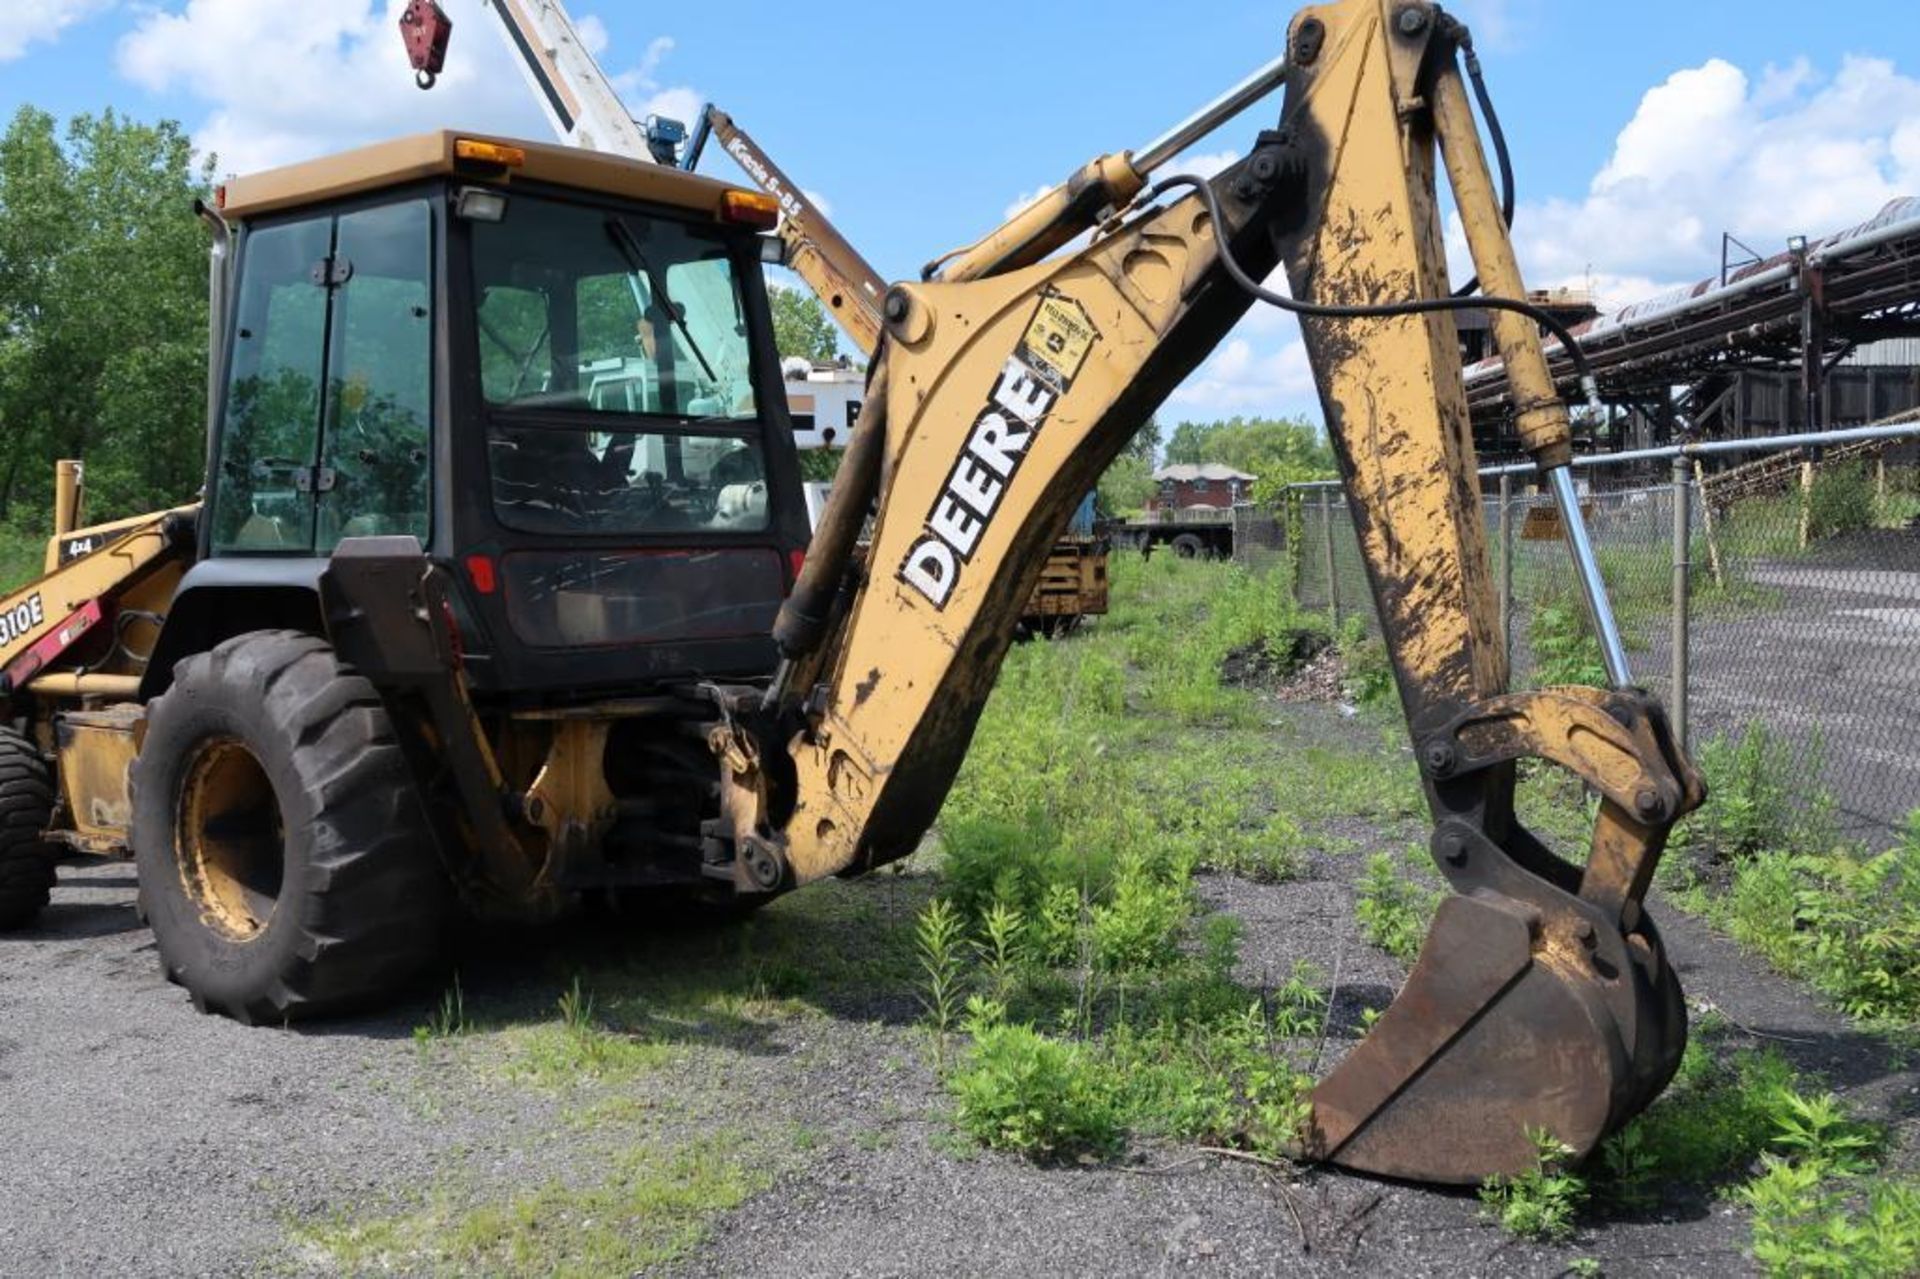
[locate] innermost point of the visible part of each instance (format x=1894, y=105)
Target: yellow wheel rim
x=231, y=840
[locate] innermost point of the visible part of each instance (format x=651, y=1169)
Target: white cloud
x=25, y=22
x=1248, y=377
x=593, y=33
x=1712, y=150
x=1498, y=25
x=640, y=87
x=286, y=82
x=818, y=201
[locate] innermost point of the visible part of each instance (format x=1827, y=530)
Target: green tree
x=1127, y=486
x=1276, y=451
x=103, y=310
x=1128, y=483
x=1145, y=443
x=801, y=327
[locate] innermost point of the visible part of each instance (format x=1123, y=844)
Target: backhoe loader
x=494, y=596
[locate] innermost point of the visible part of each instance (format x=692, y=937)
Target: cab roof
x=428, y=155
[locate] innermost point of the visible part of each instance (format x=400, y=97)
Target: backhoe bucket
x=1516, y=1020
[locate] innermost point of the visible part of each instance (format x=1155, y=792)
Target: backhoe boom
x=1004, y=388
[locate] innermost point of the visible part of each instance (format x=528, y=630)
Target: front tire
x=26, y=809
x=285, y=861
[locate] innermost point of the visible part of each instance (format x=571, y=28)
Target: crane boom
x=851, y=290
x=579, y=101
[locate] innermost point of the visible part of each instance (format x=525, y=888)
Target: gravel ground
x=140, y=1138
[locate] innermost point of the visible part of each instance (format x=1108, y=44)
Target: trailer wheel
x=1189, y=547
x=26, y=809
x=285, y=861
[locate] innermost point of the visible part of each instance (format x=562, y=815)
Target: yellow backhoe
x=495, y=597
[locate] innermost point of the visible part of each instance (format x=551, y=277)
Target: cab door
x=326, y=424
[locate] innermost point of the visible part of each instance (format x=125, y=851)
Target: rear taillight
x=796, y=560
x=481, y=573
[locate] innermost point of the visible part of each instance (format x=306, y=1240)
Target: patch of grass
x=1135, y=1024
x=654, y=1207
x=583, y=1045
x=1750, y=1127
x=1714, y=1120
x=1394, y=908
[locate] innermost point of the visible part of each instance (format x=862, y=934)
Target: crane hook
x=426, y=28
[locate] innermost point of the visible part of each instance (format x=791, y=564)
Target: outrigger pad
x=1501, y=1031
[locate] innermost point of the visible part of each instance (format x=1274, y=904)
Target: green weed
x=939, y=937
x=1369, y=671
x=1026, y=1092
x=1850, y=925
x=1394, y=909
x=1760, y=798
x=1809, y=1220
x=1841, y=501
x=1542, y=1202
x=448, y=1021
x=1564, y=648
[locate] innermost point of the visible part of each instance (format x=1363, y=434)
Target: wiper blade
x=637, y=260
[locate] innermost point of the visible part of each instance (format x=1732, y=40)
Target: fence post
x=1682, y=575
x=1706, y=518
x=1294, y=538
x=1806, y=504
x=1506, y=570
x=1333, y=581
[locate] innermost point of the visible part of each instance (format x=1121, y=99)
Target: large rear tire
x=1189, y=547
x=286, y=864
x=26, y=809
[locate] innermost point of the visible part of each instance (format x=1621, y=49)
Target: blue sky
x=1640, y=129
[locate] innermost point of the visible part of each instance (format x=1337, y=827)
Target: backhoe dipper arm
x=1542, y=999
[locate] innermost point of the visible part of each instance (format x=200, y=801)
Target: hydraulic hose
x=1384, y=310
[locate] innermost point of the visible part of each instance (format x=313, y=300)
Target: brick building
x=1184, y=487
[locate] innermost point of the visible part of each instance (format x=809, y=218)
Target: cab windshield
x=616, y=359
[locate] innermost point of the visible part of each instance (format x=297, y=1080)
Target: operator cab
x=553, y=368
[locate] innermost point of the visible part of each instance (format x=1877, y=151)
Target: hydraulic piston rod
x=1156, y=153
x=1613, y=650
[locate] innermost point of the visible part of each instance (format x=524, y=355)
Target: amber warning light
x=750, y=208
x=477, y=152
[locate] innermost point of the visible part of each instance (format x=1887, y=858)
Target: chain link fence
x=1792, y=623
